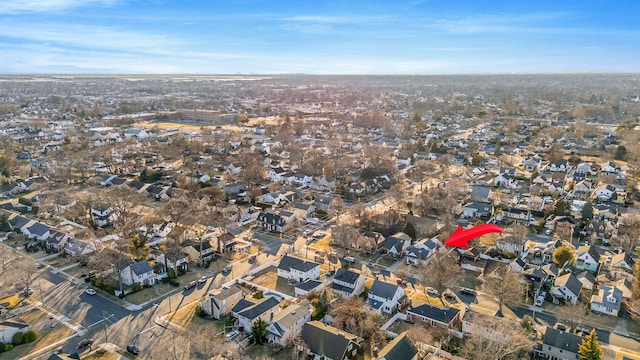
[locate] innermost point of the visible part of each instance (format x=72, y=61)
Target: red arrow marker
x=460, y=238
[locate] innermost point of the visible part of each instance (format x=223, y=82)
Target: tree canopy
x=564, y=255
x=590, y=348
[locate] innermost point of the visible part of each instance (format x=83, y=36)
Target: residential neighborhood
x=301, y=217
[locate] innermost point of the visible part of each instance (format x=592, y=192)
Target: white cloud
x=28, y=6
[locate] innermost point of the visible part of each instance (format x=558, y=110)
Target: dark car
x=226, y=271
x=133, y=349
x=84, y=342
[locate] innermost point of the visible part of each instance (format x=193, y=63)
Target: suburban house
x=37, y=231
x=429, y=315
x=304, y=288
x=347, y=283
x=557, y=344
x=287, y=324
x=399, y=348
x=420, y=252
x=271, y=221
x=587, y=279
x=607, y=300
x=219, y=302
x=298, y=270
x=247, y=312
x=587, y=258
x=202, y=252
x=385, y=298
x=329, y=343
x=303, y=210
x=139, y=272
x=397, y=244
x=8, y=328
x=103, y=215
x=566, y=287
x=477, y=209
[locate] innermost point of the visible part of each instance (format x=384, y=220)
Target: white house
x=247, y=312
x=298, y=270
x=347, y=284
x=287, y=324
x=141, y=134
x=138, y=273
x=567, y=287
x=219, y=302
x=384, y=297
x=8, y=328
x=607, y=301
x=397, y=244
x=103, y=215
x=38, y=231
x=605, y=193
x=302, y=180
x=420, y=252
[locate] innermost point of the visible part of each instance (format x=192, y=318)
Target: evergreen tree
x=259, y=331
x=590, y=348
x=410, y=230
x=587, y=211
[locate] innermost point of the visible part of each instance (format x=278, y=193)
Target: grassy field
x=184, y=315
x=101, y=354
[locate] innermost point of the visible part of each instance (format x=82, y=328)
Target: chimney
x=271, y=316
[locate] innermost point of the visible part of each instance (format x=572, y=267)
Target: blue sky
x=318, y=37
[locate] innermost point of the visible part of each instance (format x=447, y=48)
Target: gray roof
x=480, y=192
x=141, y=267
x=561, y=340
x=38, y=228
x=394, y=242
x=399, y=348
x=418, y=253
x=290, y=262
x=383, y=289
x=443, y=315
x=326, y=340
x=346, y=276
x=259, y=308
x=569, y=281
x=19, y=221
x=606, y=294
x=309, y=285
x=241, y=305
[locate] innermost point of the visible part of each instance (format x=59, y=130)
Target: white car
x=202, y=280
x=232, y=335
x=431, y=291
x=90, y=292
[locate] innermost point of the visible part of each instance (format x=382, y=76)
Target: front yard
x=39, y=322
x=160, y=289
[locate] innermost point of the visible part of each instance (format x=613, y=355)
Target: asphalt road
x=64, y=297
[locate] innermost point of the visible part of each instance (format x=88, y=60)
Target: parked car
x=232, y=335
x=133, y=349
x=191, y=285
x=38, y=265
x=252, y=259
x=330, y=272
x=90, y=292
x=350, y=259
x=84, y=342
x=539, y=300
x=468, y=291
x=450, y=296
x=431, y=291
x=202, y=280
x=401, y=282
x=226, y=271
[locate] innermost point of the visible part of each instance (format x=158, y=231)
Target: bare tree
x=504, y=285
x=496, y=339
x=572, y=314
x=350, y=315
x=441, y=270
